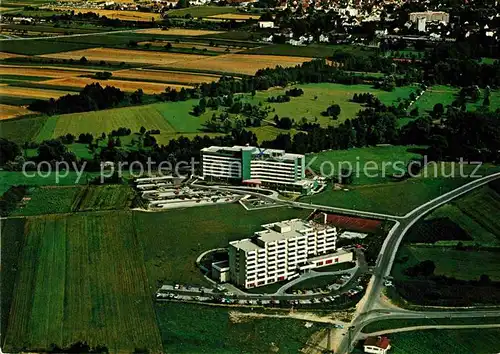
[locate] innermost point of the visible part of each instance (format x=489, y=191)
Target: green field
x=172, y=240
x=203, y=329
x=21, y=130
x=466, y=265
x=9, y=179
x=55, y=200
x=476, y=213
x=311, y=50
x=107, y=197
x=400, y=323
x=12, y=239
x=41, y=46
x=463, y=341
x=359, y=157
x=446, y=95
x=202, y=11
x=48, y=200
x=397, y=198
x=326, y=94
x=170, y=118
x=82, y=279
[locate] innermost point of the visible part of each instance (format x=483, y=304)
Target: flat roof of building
x=292, y=227
x=245, y=244
x=254, y=150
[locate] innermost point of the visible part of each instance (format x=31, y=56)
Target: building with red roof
x=377, y=345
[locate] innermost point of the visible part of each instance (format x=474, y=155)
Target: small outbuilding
x=377, y=345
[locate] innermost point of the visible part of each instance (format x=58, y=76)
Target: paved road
x=388, y=254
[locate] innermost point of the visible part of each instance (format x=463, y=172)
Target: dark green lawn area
x=21, y=130
x=172, y=240
x=12, y=241
x=397, y=198
x=400, y=323
x=463, y=341
x=187, y=328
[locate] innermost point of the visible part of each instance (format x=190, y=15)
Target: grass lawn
x=447, y=94
x=172, y=240
x=311, y=50
x=400, y=323
x=477, y=213
x=202, y=11
x=21, y=130
x=9, y=179
x=55, y=200
x=42, y=46
x=359, y=157
x=466, y=265
x=397, y=198
x=462, y=341
x=187, y=328
x=82, y=278
x=327, y=94
x=48, y=200
x=171, y=118
x=12, y=239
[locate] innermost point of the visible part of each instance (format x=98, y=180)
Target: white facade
x=266, y=24
x=421, y=24
x=278, y=252
x=248, y=163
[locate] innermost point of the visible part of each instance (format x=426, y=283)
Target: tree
x=168, y=46
x=8, y=150
x=438, y=110
x=118, y=142
x=142, y=130
x=414, y=112
x=83, y=60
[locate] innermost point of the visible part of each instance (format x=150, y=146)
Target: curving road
x=388, y=254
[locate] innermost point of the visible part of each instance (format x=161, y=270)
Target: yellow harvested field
x=165, y=76
x=126, y=55
x=240, y=63
x=178, y=32
x=42, y=71
x=121, y=15
x=242, y=17
x=147, y=87
x=31, y=92
x=8, y=111
x=4, y=55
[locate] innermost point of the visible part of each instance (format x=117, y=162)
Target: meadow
x=179, y=237
x=462, y=341
x=359, y=157
x=187, y=328
x=396, y=198
x=400, y=323
x=48, y=200
x=12, y=240
x=82, y=279
x=202, y=11
x=476, y=213
x=465, y=265
x=103, y=197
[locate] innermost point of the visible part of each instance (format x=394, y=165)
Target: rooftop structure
x=377, y=345
x=281, y=251
x=253, y=165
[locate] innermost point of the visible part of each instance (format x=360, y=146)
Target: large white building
x=281, y=250
x=252, y=165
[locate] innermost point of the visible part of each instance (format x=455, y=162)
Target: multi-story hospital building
x=281, y=251
x=255, y=166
